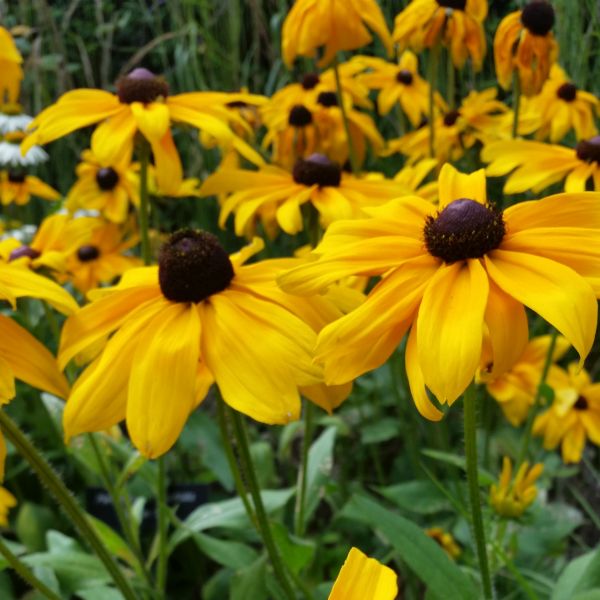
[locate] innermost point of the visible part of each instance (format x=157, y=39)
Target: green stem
x=67, y=501
x=340, y=99
x=470, y=418
x=241, y=437
x=144, y=156
x=161, y=567
x=536, y=401
x=25, y=573
x=299, y=524
x=451, y=81
x=516, y=102
x=433, y=61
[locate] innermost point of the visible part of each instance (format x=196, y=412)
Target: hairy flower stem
x=516, y=103
x=340, y=99
x=144, y=157
x=57, y=488
x=241, y=438
x=536, y=401
x=300, y=508
x=433, y=64
x=25, y=573
x=470, y=420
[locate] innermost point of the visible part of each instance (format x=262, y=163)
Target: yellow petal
x=152, y=119
x=454, y=185
x=7, y=382
x=450, y=328
x=169, y=172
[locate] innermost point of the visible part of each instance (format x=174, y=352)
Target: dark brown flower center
x=581, y=404
x=464, y=229
x=589, y=150
x=310, y=81
x=404, y=76
x=538, y=17
x=141, y=85
x=567, y=92
x=451, y=118
x=16, y=176
x=88, y=253
x=23, y=251
x=107, y=178
x=300, y=116
x=456, y=4
x=317, y=169
x=327, y=99
x=237, y=104
x=192, y=265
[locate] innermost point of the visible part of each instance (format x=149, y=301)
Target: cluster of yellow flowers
x=456, y=269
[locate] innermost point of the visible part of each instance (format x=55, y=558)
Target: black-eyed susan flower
x=574, y=415
x=364, y=578
x=535, y=165
x=7, y=501
x=102, y=257
x=176, y=328
x=274, y=193
x=11, y=72
x=142, y=103
x=400, y=83
x=457, y=24
x=524, y=43
x=515, y=389
x=511, y=497
x=448, y=273
x=445, y=540
x=335, y=25
x=17, y=187
x=562, y=106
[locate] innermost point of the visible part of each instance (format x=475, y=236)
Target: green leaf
x=102, y=593
x=318, y=470
x=250, y=582
x=421, y=497
x=429, y=562
x=113, y=541
x=379, y=431
x=580, y=575
x=485, y=477
x=589, y=595
x=227, y=513
x=296, y=552
x=228, y=553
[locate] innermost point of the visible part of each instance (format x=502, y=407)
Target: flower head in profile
x=11, y=72
x=574, y=416
x=364, y=578
x=536, y=166
x=199, y=316
x=515, y=390
x=334, y=25
x=445, y=540
x=451, y=271
x=142, y=104
x=524, y=43
x=511, y=498
x=456, y=24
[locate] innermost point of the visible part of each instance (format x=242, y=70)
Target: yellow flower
x=574, y=415
x=7, y=501
x=511, y=498
x=445, y=540
x=457, y=24
x=540, y=165
x=515, y=389
x=17, y=187
x=335, y=24
x=106, y=186
x=562, y=107
x=524, y=41
x=274, y=194
x=400, y=83
x=100, y=258
x=194, y=319
x=364, y=578
x=11, y=72
x=143, y=104
x=449, y=273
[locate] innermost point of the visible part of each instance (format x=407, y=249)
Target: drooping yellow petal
x=454, y=185
x=169, y=172
x=152, y=119
x=162, y=382
x=450, y=328
x=558, y=294
x=7, y=382
x=363, y=578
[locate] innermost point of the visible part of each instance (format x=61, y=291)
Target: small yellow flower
x=17, y=187
x=7, y=501
x=511, y=498
x=335, y=24
x=11, y=72
x=445, y=540
x=364, y=578
x=574, y=415
x=524, y=42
